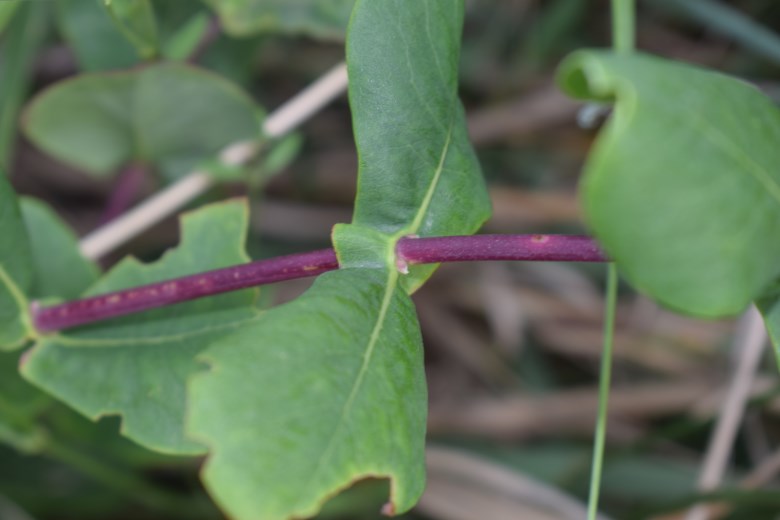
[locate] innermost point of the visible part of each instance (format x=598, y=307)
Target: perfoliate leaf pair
x=348, y=353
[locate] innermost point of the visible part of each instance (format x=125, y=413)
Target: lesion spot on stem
x=169, y=287
x=540, y=239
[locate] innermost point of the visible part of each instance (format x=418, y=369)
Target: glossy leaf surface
x=137, y=366
x=171, y=115
x=348, y=354
x=323, y=19
x=16, y=274
x=682, y=189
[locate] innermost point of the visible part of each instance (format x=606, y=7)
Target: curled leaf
x=682, y=187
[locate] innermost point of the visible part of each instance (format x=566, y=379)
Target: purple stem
x=128, y=301
x=549, y=248
x=211, y=35
x=125, y=192
x=543, y=248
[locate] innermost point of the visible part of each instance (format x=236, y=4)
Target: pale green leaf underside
x=137, y=366
x=170, y=115
x=682, y=187
x=339, y=394
x=16, y=274
x=322, y=19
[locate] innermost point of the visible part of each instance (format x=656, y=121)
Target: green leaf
x=7, y=11
x=348, y=355
x=769, y=306
x=89, y=31
x=185, y=41
x=135, y=19
x=349, y=352
x=16, y=274
x=682, y=187
x=60, y=269
x=17, y=59
x=320, y=19
x=171, y=115
x=137, y=366
x=418, y=171
x=281, y=154
x=20, y=404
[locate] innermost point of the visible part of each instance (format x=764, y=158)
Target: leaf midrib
x=21, y=302
x=391, y=286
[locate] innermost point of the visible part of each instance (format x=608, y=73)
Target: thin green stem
x=604, y=382
x=623, y=25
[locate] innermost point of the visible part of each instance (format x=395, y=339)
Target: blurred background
x=512, y=349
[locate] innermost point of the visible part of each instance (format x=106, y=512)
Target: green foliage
x=322, y=19
x=361, y=387
x=136, y=20
x=137, y=366
x=42, y=256
x=17, y=56
x=87, y=27
x=65, y=274
x=769, y=306
x=348, y=354
x=181, y=45
x=720, y=17
x=416, y=162
x=170, y=115
x=294, y=404
x=696, y=234
x=117, y=34
x=7, y=11
x=16, y=274
x=20, y=404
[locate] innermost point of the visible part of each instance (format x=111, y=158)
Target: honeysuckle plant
x=293, y=404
